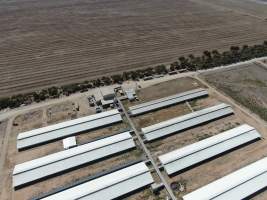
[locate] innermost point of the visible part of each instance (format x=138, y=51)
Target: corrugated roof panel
x=167, y=101
x=186, y=121
x=237, y=185
x=192, y=154
x=55, y=132
x=109, y=186
x=40, y=168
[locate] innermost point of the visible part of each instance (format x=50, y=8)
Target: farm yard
x=52, y=114
x=180, y=183
x=206, y=172
x=192, y=108
x=45, y=43
x=25, y=122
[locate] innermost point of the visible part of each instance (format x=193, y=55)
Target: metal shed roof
x=52, y=164
x=237, y=185
x=109, y=186
x=186, y=121
x=69, y=142
x=192, y=154
x=65, y=129
x=167, y=101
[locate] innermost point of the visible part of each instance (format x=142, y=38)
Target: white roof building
x=109, y=186
x=186, y=121
x=166, y=101
x=192, y=154
x=40, y=168
x=130, y=93
x=69, y=142
x=237, y=185
x=65, y=129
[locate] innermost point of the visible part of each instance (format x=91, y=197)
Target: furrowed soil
x=44, y=43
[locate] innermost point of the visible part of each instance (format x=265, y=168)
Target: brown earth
x=3, y=125
x=247, y=84
x=164, y=89
x=44, y=43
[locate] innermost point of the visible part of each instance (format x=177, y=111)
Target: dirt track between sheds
x=56, y=42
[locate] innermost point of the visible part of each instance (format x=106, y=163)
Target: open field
x=247, y=84
x=216, y=168
x=57, y=42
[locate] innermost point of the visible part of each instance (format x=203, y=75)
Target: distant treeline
x=209, y=59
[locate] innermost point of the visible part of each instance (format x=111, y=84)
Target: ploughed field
x=44, y=43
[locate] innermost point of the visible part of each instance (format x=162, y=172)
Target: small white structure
x=130, y=93
x=69, y=142
x=107, y=103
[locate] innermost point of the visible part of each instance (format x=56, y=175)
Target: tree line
x=208, y=60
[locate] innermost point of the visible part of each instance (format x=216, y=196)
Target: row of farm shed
x=238, y=185
x=134, y=176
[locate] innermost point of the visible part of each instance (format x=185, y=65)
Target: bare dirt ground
x=59, y=112
x=164, y=89
x=50, y=42
x=247, y=84
x=67, y=110
x=160, y=115
x=3, y=125
x=216, y=168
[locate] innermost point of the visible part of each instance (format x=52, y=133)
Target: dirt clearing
x=247, y=84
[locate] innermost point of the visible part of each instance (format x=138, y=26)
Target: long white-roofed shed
x=65, y=129
x=238, y=185
x=186, y=121
x=110, y=186
x=167, y=101
x=190, y=155
x=60, y=162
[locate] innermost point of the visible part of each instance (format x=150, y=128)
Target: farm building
x=167, y=101
x=186, y=121
x=108, y=93
x=60, y=162
x=69, y=142
x=237, y=185
x=130, y=93
x=109, y=186
x=190, y=155
x=65, y=129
